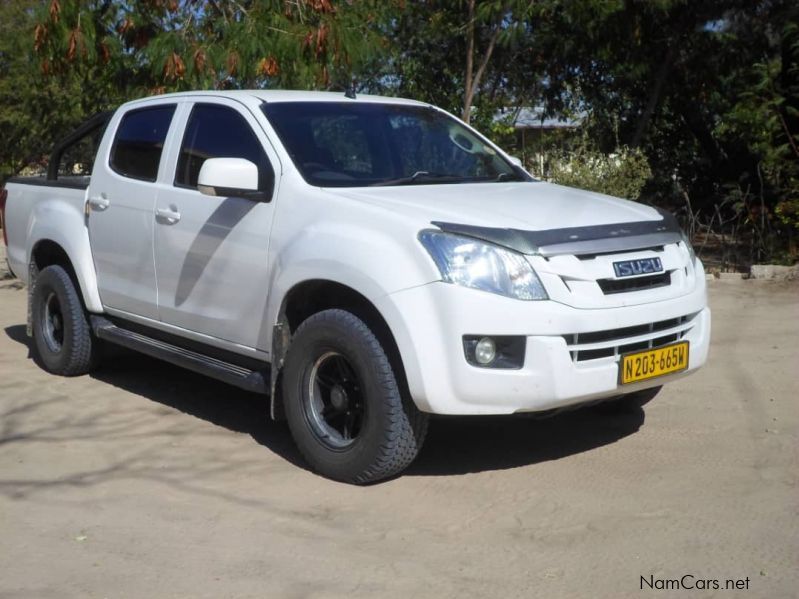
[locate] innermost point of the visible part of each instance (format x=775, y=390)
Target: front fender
x=371, y=264
x=365, y=259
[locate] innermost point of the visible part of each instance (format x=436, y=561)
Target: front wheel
x=61, y=333
x=343, y=403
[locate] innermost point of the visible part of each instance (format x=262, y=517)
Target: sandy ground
x=144, y=482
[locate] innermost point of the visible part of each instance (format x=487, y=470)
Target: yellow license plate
x=650, y=363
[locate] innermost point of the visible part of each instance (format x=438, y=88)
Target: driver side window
x=215, y=131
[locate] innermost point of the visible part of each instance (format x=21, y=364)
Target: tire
x=62, y=337
x=344, y=406
x=630, y=401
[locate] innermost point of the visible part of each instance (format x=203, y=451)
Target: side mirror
x=230, y=177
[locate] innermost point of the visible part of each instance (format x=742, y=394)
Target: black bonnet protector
x=596, y=239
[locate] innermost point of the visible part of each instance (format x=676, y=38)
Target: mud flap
x=33, y=273
x=281, y=337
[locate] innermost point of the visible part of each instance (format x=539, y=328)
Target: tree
x=464, y=56
x=171, y=45
x=707, y=90
x=497, y=23
x=62, y=61
x=33, y=110
x=701, y=87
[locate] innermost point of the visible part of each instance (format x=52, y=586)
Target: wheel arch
x=57, y=231
x=47, y=252
x=311, y=297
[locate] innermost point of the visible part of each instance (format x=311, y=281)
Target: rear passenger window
x=139, y=142
x=215, y=131
x=77, y=158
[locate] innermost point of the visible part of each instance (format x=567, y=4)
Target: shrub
x=622, y=173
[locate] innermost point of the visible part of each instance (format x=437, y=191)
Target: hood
x=533, y=206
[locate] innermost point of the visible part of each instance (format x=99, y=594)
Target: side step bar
x=251, y=380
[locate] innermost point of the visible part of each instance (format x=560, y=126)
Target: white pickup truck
x=364, y=262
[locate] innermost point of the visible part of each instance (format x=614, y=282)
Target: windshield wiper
x=420, y=176
x=508, y=177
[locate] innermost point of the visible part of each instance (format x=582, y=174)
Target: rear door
x=121, y=201
x=211, y=252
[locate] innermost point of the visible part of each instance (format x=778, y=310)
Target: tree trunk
x=472, y=78
x=655, y=93
x=467, y=79
x=475, y=81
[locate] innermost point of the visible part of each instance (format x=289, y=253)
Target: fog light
x=496, y=351
x=485, y=351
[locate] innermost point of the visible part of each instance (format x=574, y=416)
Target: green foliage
x=64, y=60
x=33, y=110
x=622, y=173
x=171, y=45
x=767, y=115
x=708, y=90
x=501, y=131
x=701, y=94
x=429, y=43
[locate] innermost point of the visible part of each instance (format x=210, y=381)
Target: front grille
x=614, y=342
x=584, y=257
x=610, y=286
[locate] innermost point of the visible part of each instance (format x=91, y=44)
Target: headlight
x=687, y=241
x=471, y=263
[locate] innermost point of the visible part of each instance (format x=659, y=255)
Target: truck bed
x=34, y=202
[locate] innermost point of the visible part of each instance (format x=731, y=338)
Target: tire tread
x=406, y=426
x=80, y=356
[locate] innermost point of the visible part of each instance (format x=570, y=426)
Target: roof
x=289, y=96
x=305, y=96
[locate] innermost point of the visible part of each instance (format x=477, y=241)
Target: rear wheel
x=61, y=333
x=343, y=403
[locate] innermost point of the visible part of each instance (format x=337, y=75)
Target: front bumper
x=429, y=322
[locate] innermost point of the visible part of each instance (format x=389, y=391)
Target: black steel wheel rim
x=53, y=323
x=335, y=406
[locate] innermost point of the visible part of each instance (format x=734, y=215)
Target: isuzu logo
x=642, y=266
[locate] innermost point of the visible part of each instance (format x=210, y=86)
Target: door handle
x=168, y=216
x=99, y=203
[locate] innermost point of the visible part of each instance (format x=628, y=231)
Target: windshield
x=351, y=144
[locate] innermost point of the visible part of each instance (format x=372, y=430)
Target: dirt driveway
x=144, y=481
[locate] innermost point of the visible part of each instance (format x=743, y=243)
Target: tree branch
x=472, y=82
x=467, y=80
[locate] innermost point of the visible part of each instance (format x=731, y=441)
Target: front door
x=211, y=252
x=121, y=200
